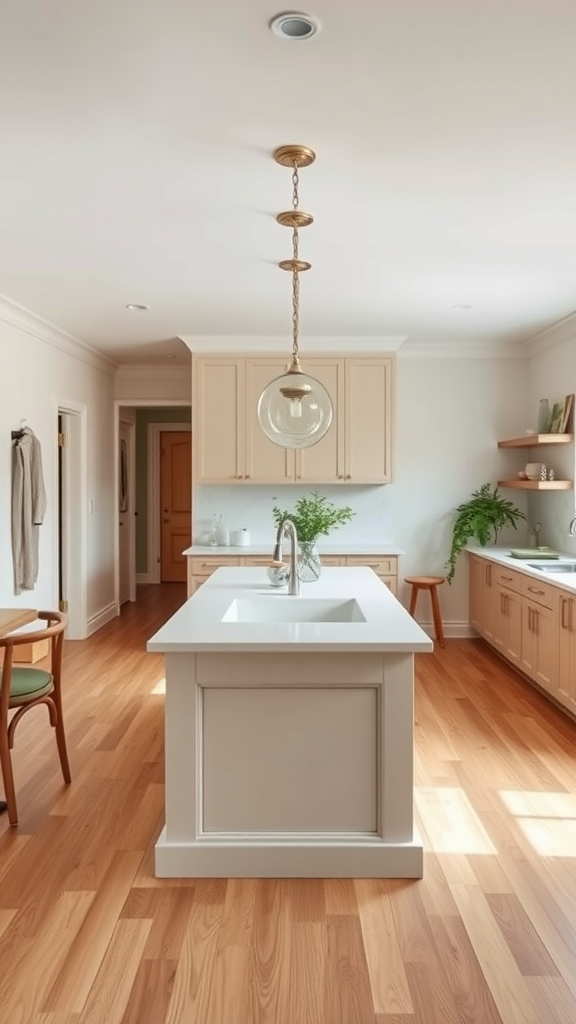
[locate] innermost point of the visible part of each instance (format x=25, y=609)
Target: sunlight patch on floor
x=160, y=687
x=451, y=821
x=548, y=820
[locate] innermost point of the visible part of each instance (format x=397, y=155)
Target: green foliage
x=484, y=512
x=313, y=516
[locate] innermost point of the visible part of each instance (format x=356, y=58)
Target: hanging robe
x=28, y=509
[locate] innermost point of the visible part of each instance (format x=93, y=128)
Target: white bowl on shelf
x=532, y=470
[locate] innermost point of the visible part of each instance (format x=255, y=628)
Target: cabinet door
x=477, y=567
x=508, y=624
x=544, y=626
x=265, y=462
x=323, y=463
x=368, y=420
x=218, y=419
x=489, y=601
x=566, y=677
x=539, y=635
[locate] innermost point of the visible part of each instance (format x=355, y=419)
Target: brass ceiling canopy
x=295, y=410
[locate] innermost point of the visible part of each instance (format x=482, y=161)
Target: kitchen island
x=289, y=730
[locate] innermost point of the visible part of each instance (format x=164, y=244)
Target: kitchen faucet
x=288, y=527
x=572, y=527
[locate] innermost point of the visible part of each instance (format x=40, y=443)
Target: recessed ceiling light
x=294, y=25
x=136, y=305
x=463, y=305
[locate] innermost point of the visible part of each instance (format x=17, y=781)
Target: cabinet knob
x=348, y=476
x=247, y=477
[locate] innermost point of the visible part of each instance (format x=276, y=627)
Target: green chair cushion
x=29, y=682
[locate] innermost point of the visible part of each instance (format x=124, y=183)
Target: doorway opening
x=150, y=420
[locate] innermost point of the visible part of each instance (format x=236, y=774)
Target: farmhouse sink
x=293, y=609
x=556, y=567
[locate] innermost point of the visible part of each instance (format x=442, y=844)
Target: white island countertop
x=198, y=627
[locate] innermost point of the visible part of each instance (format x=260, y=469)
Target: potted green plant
x=480, y=518
x=312, y=516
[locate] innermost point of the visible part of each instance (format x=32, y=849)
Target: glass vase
x=309, y=566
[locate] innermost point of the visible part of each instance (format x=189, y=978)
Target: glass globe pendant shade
x=295, y=410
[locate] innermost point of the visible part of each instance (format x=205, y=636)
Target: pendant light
x=295, y=410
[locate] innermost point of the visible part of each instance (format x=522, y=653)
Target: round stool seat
x=425, y=581
x=429, y=583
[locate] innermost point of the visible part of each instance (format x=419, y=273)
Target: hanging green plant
x=480, y=518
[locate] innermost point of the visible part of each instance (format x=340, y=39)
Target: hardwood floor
x=88, y=935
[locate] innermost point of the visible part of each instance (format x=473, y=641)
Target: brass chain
x=295, y=277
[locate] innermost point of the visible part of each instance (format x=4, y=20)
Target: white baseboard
x=452, y=630
x=142, y=578
x=95, y=622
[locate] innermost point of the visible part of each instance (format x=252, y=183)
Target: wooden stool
x=430, y=583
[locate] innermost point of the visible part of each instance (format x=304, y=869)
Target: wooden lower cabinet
x=201, y=567
x=530, y=623
x=483, y=598
x=507, y=617
x=566, y=618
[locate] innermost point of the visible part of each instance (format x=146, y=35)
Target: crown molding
x=559, y=333
x=151, y=371
x=24, y=320
x=463, y=349
x=281, y=343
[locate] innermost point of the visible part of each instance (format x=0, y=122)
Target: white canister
x=240, y=538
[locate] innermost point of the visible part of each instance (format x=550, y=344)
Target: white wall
x=552, y=375
x=41, y=368
x=450, y=414
x=154, y=385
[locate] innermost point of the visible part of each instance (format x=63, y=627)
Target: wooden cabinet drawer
x=204, y=565
x=541, y=593
x=504, y=577
x=332, y=560
x=381, y=566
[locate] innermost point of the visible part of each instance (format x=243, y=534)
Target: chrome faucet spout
x=288, y=527
x=572, y=527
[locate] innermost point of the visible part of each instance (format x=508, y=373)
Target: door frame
x=74, y=514
x=154, y=524
x=130, y=518
x=133, y=403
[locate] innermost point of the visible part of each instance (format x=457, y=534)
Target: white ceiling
x=136, y=141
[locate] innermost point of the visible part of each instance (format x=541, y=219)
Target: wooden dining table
x=11, y=619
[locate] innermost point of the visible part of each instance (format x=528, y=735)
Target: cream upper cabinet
x=368, y=420
x=264, y=462
x=324, y=462
x=230, y=447
x=218, y=415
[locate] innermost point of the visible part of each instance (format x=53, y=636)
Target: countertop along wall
x=450, y=413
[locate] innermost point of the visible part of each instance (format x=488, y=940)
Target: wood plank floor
x=88, y=935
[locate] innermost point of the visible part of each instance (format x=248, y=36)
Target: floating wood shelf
x=533, y=440
x=538, y=485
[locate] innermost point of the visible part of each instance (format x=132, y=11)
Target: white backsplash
x=251, y=507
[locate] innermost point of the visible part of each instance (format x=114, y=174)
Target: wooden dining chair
x=22, y=688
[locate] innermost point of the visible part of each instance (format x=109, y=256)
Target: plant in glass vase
x=312, y=516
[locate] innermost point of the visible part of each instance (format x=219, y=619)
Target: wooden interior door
x=175, y=503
